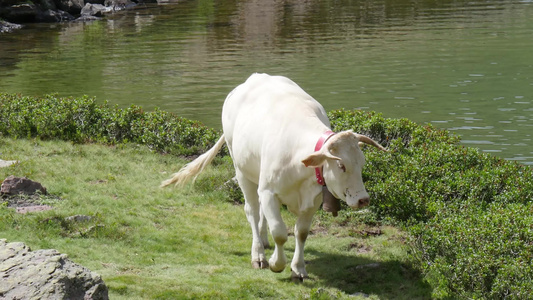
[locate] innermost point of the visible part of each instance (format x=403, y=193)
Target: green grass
x=190, y=243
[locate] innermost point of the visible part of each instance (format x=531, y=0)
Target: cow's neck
x=321, y=141
x=330, y=203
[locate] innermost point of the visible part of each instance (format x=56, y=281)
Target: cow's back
x=268, y=114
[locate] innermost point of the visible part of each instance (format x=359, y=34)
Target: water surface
x=466, y=66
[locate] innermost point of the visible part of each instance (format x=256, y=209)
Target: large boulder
x=19, y=12
x=47, y=4
x=45, y=274
x=21, y=185
x=73, y=7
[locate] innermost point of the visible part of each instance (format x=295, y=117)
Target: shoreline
x=14, y=15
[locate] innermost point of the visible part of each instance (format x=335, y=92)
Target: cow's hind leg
x=263, y=229
x=270, y=206
x=253, y=214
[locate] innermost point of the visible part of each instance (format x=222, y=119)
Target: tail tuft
x=195, y=167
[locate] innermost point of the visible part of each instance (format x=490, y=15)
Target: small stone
x=360, y=295
x=78, y=218
x=7, y=163
x=372, y=265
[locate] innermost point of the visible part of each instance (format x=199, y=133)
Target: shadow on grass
x=388, y=280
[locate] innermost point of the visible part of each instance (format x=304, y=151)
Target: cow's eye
x=342, y=167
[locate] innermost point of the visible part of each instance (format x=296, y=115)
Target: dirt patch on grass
x=359, y=248
x=28, y=203
x=370, y=231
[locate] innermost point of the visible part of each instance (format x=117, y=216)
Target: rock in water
x=45, y=274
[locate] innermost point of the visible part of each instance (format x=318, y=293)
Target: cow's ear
x=318, y=158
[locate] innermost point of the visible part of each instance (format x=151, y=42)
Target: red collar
x=321, y=141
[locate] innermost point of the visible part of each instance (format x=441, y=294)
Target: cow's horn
x=365, y=139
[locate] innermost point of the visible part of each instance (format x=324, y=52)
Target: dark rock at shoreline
x=45, y=274
x=35, y=11
x=13, y=12
x=8, y=27
x=73, y=7
x=52, y=16
x=19, y=12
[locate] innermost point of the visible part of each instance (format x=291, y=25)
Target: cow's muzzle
x=362, y=200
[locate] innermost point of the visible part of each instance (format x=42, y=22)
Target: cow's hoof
x=275, y=268
x=298, y=277
x=260, y=264
x=276, y=271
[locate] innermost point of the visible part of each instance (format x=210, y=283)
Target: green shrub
x=83, y=120
x=469, y=213
x=478, y=252
x=165, y=132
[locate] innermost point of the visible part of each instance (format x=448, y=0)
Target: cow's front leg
x=270, y=206
x=301, y=231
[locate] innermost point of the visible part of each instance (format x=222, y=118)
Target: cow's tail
x=195, y=167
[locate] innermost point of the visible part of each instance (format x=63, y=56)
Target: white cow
x=271, y=127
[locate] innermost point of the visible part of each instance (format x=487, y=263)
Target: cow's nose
x=364, y=201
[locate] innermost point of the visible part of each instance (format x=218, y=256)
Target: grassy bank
x=465, y=216
x=152, y=243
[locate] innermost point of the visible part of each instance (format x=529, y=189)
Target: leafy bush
x=478, y=252
x=83, y=120
x=469, y=213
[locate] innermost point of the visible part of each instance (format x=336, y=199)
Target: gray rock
x=109, y=6
x=45, y=274
x=21, y=185
x=6, y=27
x=78, y=218
x=7, y=163
x=119, y=4
x=96, y=10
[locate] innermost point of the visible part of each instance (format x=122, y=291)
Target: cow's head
x=342, y=161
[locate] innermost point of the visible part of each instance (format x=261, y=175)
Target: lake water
x=466, y=66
